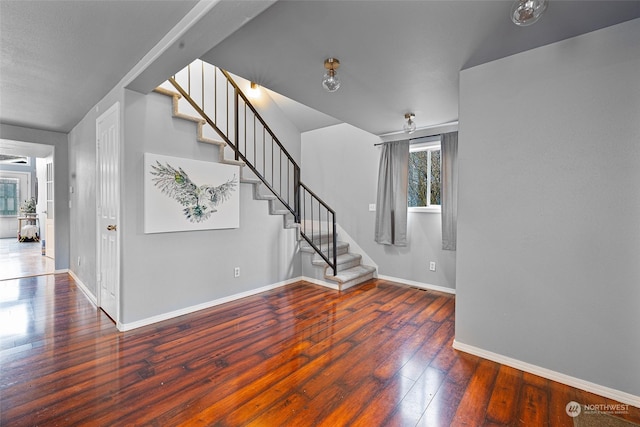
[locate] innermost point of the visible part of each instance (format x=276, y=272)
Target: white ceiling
x=28, y=149
x=396, y=56
x=59, y=58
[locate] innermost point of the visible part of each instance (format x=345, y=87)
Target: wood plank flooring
x=23, y=259
x=376, y=355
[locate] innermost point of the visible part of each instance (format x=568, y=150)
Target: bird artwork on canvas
x=199, y=201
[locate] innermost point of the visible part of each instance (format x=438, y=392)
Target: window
x=424, y=175
x=9, y=196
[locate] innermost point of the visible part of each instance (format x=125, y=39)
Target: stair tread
x=189, y=117
x=206, y=140
x=340, y=259
x=316, y=236
x=352, y=273
x=306, y=247
x=168, y=92
x=251, y=180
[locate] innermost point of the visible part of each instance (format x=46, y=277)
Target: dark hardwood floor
x=376, y=355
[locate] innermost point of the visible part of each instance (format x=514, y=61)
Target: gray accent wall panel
x=549, y=207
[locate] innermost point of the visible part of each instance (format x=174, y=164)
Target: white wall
x=171, y=271
x=340, y=164
x=549, y=207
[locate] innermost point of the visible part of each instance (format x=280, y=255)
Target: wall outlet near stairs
x=236, y=272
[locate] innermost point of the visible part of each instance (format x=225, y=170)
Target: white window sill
x=425, y=209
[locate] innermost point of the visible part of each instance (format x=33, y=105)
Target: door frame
x=50, y=216
x=115, y=107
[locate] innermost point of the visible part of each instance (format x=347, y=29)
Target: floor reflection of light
x=14, y=320
x=9, y=292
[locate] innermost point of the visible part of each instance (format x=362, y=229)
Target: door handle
x=112, y=227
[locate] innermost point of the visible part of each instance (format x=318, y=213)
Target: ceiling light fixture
x=527, y=12
x=410, y=125
x=330, y=81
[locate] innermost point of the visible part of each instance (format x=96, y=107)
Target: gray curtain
x=449, y=151
x=391, y=205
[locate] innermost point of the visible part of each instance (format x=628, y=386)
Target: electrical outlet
x=236, y=272
x=372, y=207
x=432, y=266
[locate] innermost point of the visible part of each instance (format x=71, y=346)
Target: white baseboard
x=83, y=288
x=64, y=270
x=418, y=284
x=600, y=390
x=181, y=312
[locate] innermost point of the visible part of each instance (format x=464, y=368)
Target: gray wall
x=284, y=129
x=549, y=207
x=82, y=177
x=170, y=271
x=340, y=164
x=61, y=166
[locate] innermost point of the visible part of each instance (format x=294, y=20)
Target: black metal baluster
x=202, y=84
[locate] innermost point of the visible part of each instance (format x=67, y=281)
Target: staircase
x=224, y=117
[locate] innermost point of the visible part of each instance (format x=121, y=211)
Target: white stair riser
x=357, y=281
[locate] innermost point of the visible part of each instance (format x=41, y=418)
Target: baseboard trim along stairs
x=350, y=270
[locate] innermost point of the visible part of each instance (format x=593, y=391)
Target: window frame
x=16, y=183
x=429, y=143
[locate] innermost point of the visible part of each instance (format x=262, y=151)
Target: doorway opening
x=26, y=209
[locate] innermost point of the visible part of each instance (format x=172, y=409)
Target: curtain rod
x=410, y=139
x=433, y=130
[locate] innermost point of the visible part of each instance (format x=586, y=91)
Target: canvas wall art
x=186, y=194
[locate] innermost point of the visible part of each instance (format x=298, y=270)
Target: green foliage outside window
x=435, y=177
x=424, y=178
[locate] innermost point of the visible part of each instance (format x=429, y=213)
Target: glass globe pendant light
x=410, y=125
x=330, y=81
x=527, y=12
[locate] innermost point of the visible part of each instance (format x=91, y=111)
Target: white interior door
x=108, y=197
x=49, y=226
